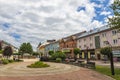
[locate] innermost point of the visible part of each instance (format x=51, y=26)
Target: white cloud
x=39, y=20
x=105, y=13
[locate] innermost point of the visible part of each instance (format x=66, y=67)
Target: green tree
x=114, y=22
x=76, y=51
x=26, y=48
x=35, y=54
x=51, y=52
x=7, y=52
x=58, y=54
x=106, y=51
x=29, y=48
x=0, y=46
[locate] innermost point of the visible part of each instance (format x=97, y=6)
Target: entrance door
x=98, y=56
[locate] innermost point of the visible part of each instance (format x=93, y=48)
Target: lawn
x=106, y=70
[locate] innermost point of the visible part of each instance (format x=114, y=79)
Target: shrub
x=11, y=61
x=38, y=64
x=58, y=54
x=58, y=60
x=18, y=60
x=5, y=61
x=44, y=58
x=51, y=52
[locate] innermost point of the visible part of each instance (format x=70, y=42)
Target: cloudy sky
x=35, y=21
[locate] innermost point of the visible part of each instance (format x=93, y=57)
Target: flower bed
x=38, y=64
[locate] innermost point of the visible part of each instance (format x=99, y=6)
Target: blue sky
x=36, y=21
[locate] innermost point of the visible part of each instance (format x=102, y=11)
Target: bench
x=90, y=65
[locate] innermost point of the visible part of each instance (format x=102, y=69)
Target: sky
x=36, y=21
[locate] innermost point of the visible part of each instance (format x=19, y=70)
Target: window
x=79, y=46
x=115, y=41
x=90, y=38
x=84, y=45
x=91, y=44
x=84, y=39
x=104, y=35
x=104, y=43
x=79, y=41
x=114, y=32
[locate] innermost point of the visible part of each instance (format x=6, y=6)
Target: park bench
x=90, y=65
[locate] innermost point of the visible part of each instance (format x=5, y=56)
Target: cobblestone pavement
x=56, y=71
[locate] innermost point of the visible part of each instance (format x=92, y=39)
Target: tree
x=106, y=51
x=35, y=54
x=0, y=46
x=114, y=22
x=29, y=48
x=7, y=52
x=26, y=48
x=76, y=51
x=58, y=54
x=51, y=52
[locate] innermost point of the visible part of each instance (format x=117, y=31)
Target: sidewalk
x=116, y=64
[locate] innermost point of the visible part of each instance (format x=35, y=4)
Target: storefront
x=90, y=54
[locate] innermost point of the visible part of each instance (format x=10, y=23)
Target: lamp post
x=111, y=59
x=87, y=54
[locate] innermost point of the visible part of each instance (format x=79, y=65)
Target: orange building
x=68, y=44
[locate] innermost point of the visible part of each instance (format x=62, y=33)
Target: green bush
x=1, y=51
x=18, y=60
x=58, y=60
x=5, y=61
x=11, y=61
x=58, y=54
x=38, y=64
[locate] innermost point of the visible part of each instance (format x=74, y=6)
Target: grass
x=38, y=64
x=7, y=61
x=107, y=71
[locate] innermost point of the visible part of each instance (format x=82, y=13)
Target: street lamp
x=111, y=59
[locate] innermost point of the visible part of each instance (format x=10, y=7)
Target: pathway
x=56, y=71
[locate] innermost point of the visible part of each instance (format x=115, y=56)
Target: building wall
x=68, y=44
x=52, y=47
x=85, y=42
x=108, y=35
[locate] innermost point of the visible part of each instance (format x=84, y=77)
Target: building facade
x=54, y=46
x=42, y=47
x=92, y=41
x=4, y=44
x=68, y=44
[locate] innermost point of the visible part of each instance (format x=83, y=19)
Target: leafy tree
x=7, y=51
x=26, y=48
x=29, y=48
x=76, y=51
x=35, y=54
x=106, y=51
x=58, y=54
x=51, y=52
x=0, y=45
x=114, y=22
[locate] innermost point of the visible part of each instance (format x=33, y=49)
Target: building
x=4, y=44
x=68, y=44
x=92, y=41
x=42, y=46
x=53, y=46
